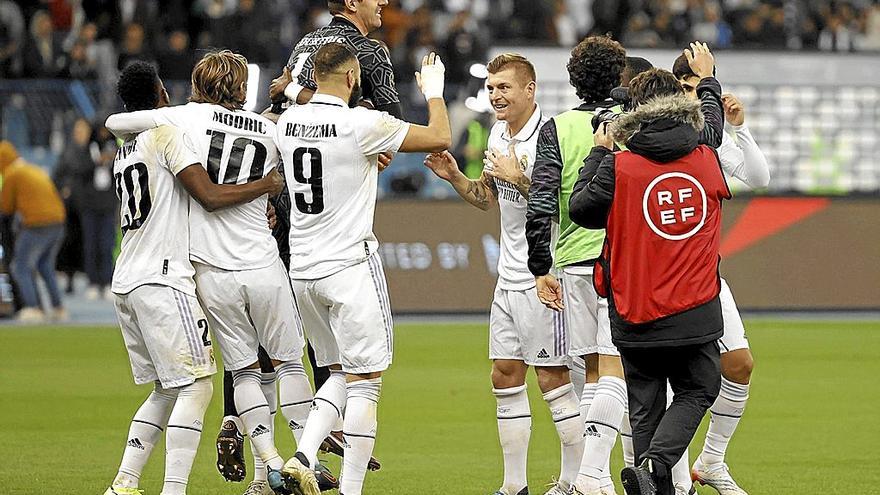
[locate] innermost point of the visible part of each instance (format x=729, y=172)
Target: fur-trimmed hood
x=663, y=129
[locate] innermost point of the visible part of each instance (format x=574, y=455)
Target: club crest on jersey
x=674, y=205
x=523, y=163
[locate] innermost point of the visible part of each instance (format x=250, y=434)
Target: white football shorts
x=586, y=314
x=523, y=329
x=734, y=337
x=348, y=317
x=166, y=336
x=249, y=308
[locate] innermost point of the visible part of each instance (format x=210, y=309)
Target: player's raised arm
x=481, y=193
x=436, y=136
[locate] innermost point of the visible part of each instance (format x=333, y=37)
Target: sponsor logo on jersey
x=507, y=192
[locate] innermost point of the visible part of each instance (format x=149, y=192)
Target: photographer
x=660, y=203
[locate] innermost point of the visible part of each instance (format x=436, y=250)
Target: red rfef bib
x=664, y=228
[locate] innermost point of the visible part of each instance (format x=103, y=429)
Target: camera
x=601, y=116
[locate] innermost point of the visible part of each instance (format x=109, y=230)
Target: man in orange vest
x=29, y=192
x=660, y=203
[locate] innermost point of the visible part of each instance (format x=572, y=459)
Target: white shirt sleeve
x=730, y=155
x=742, y=158
x=378, y=132
x=176, y=149
x=756, y=170
x=123, y=124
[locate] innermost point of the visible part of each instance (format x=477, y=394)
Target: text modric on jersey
x=239, y=121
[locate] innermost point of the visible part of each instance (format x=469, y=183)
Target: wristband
x=292, y=90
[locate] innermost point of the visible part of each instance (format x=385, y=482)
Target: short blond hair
x=524, y=69
x=219, y=78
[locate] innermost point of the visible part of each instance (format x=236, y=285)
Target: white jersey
x=513, y=270
x=741, y=157
x=330, y=154
x=154, y=207
x=235, y=147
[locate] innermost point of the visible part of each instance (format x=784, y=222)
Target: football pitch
x=811, y=425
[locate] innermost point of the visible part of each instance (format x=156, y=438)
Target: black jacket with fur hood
x=662, y=130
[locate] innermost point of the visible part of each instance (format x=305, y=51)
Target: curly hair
x=137, y=86
x=595, y=66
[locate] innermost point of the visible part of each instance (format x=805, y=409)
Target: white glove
x=431, y=78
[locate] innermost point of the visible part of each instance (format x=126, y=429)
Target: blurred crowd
x=84, y=39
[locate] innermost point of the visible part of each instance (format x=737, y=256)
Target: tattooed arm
x=481, y=193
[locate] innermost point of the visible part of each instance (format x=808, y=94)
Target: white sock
x=253, y=409
x=587, y=398
x=146, y=429
x=267, y=385
x=359, y=429
x=270, y=390
x=328, y=406
x=514, y=430
x=626, y=441
x=260, y=471
x=184, y=432
x=726, y=413
x=578, y=374
x=339, y=424
x=602, y=426
x=296, y=396
x=564, y=408
x=681, y=473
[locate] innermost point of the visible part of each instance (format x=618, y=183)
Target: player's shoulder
x=152, y=138
x=163, y=137
x=496, y=132
x=260, y=118
x=369, y=117
x=370, y=52
x=497, y=128
x=543, y=121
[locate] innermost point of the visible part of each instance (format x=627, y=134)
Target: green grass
x=811, y=425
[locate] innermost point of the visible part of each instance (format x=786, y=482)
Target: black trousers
x=662, y=434
x=320, y=374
